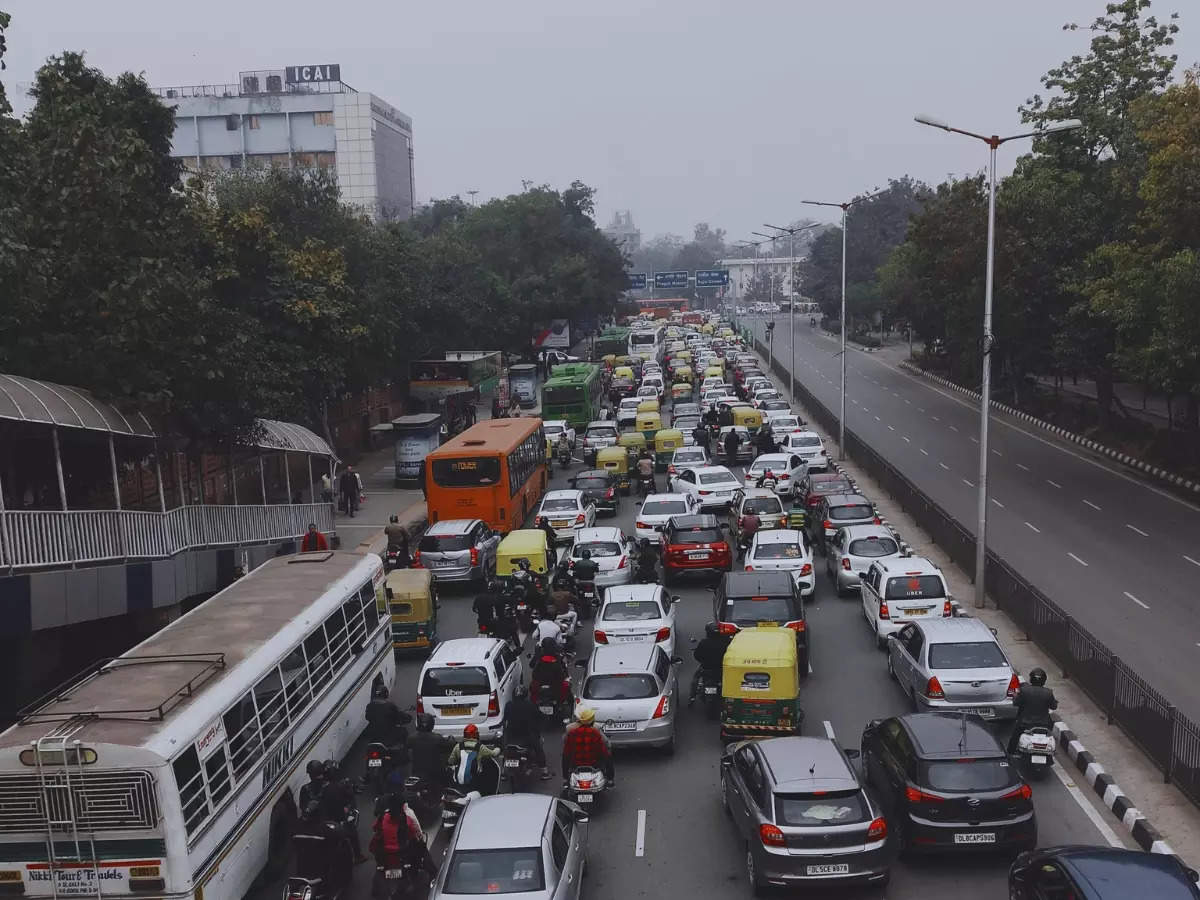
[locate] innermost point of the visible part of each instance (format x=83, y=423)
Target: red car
x=695, y=544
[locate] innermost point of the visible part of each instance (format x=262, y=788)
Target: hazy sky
x=680, y=110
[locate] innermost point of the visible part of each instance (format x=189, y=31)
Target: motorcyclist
x=647, y=557
x=700, y=437
x=767, y=479
x=397, y=538
x=710, y=418
x=427, y=751
x=586, y=568
x=586, y=745
x=336, y=801
x=310, y=792
x=563, y=448
x=487, y=606
x=764, y=441
x=548, y=529
x=547, y=630
x=1033, y=703
x=724, y=416
x=384, y=718
x=645, y=470
x=709, y=653
x=549, y=668
x=522, y=725
x=483, y=752
x=749, y=527
x=733, y=440
x=398, y=840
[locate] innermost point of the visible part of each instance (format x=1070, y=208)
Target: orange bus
x=494, y=471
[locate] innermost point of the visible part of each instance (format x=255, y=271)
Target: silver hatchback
x=634, y=692
x=953, y=665
x=459, y=550
x=853, y=548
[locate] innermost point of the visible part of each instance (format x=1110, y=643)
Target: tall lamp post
x=770, y=328
x=985, y=391
x=791, y=233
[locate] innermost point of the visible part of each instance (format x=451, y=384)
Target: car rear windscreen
x=591, y=484
x=504, y=871
x=470, y=472
x=631, y=686
x=915, y=587
x=778, y=551
x=989, y=774
x=825, y=808
x=857, y=511
x=598, y=549
x=663, y=508
x=567, y=504
x=766, y=609
x=698, y=536
x=631, y=610
x=602, y=431
x=717, y=478
x=455, y=681
x=762, y=506
x=971, y=655
x=873, y=546
x=806, y=441
x=445, y=543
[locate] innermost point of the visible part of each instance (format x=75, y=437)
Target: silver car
x=611, y=551
x=530, y=845
x=953, y=665
x=634, y=692
x=853, y=548
x=459, y=550
x=783, y=550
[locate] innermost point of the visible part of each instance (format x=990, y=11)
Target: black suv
x=599, y=486
x=745, y=599
x=947, y=784
x=1104, y=873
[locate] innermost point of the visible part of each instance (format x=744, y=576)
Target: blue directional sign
x=670, y=281
x=712, y=278
x=637, y=281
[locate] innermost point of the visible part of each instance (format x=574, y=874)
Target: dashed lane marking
x=1138, y=530
x=1054, y=484
x=907, y=441
x=1136, y=600
x=1033, y=527
x=968, y=483
x=1023, y=468
x=1077, y=559
x=923, y=450
x=997, y=502
x=1192, y=561
x=1092, y=505
x=639, y=847
x=944, y=466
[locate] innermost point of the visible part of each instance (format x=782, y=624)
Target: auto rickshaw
x=706, y=328
x=633, y=443
x=412, y=602
x=623, y=370
x=685, y=374
x=666, y=442
x=550, y=452
x=681, y=391
x=760, y=685
x=649, y=405
x=524, y=543
x=610, y=360
x=616, y=460
x=748, y=417
x=648, y=424
x=685, y=355
x=715, y=372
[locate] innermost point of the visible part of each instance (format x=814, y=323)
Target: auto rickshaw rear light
x=846, y=563
x=797, y=625
x=641, y=525
x=474, y=556
x=579, y=520
x=771, y=835
x=1014, y=685
x=827, y=525
x=806, y=569
x=947, y=609
x=538, y=520
x=417, y=560
x=599, y=637
x=878, y=521
x=664, y=707
x=749, y=568
x=933, y=690
x=726, y=628
x=608, y=495
x=493, y=704
x=663, y=633
x=883, y=610
x=877, y=830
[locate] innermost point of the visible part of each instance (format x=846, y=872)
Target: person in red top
x=313, y=540
x=398, y=839
x=586, y=745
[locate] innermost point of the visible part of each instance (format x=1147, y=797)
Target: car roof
x=779, y=536
x=759, y=494
x=855, y=532
x=563, y=494
x=474, y=649
x=770, y=458
x=598, y=533
x=846, y=499
x=806, y=764
x=610, y=659
x=702, y=520
x=909, y=565
x=752, y=584
x=505, y=821
x=607, y=423
x=954, y=629
x=707, y=470
x=800, y=434
x=562, y=422
x=632, y=592
x=1104, y=873
x=682, y=498
x=816, y=478
x=594, y=473
x=692, y=449
x=950, y=736
x=451, y=526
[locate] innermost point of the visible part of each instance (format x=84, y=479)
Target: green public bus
x=575, y=397
x=614, y=340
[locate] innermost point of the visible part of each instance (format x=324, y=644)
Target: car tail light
x=1014, y=685
x=1024, y=792
x=493, y=704
x=783, y=521
x=846, y=563
x=726, y=628
x=608, y=495
x=579, y=520
x=641, y=525
x=806, y=569
x=538, y=520
x=877, y=830
x=474, y=556
x=624, y=560
x=663, y=633
x=917, y=796
x=599, y=637
x=812, y=500
x=749, y=568
x=785, y=477
x=704, y=493
x=947, y=610
x=417, y=560
x=883, y=610
x=585, y=784
x=420, y=705
x=797, y=625
x=664, y=707
x=933, y=690
x=771, y=836
x=878, y=521
x=671, y=469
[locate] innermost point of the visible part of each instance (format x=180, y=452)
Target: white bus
x=172, y=771
x=647, y=342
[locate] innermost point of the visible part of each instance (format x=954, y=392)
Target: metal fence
x=47, y=538
x=1168, y=738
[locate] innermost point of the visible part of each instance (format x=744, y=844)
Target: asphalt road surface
x=1118, y=553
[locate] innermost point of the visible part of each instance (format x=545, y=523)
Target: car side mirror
x=862, y=575
x=675, y=598
x=677, y=660
x=581, y=817
x=853, y=754
x=872, y=725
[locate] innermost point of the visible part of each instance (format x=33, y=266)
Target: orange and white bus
x=494, y=471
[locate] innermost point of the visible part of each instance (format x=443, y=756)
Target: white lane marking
x=1076, y=558
x=997, y=502
x=923, y=450
x=952, y=428
x=909, y=402
x=639, y=848
x=1025, y=468
x=907, y=441
x=920, y=409
x=891, y=428
x=974, y=440
x=1079, y=797
x=1034, y=527
x=935, y=418
x=944, y=466
x=1053, y=484
x=1092, y=505
x=877, y=419
x=1136, y=600
x=829, y=730
x=1138, y=530
x=810, y=668
x=968, y=483
x=1192, y=561
x=997, y=452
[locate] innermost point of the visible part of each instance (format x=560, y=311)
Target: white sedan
x=783, y=550
x=810, y=447
x=788, y=469
x=610, y=550
x=627, y=411
x=687, y=458
x=657, y=509
x=555, y=427
x=710, y=398
x=635, y=614
x=712, y=486
x=782, y=424
x=568, y=512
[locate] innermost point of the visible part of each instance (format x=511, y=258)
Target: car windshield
x=774, y=463
x=630, y=403
x=598, y=549
x=762, y=506
x=602, y=431
x=631, y=686
x=872, y=547
x=778, y=551
x=455, y=681
x=915, y=587
x=698, y=535
x=592, y=482
x=686, y=423
x=663, y=508
x=824, y=808
x=688, y=456
x=969, y=655
x=988, y=774
x=775, y=404
x=784, y=422
x=504, y=871
x=856, y=511
x=717, y=478
x=631, y=611
x=444, y=543
x=551, y=429
x=748, y=611
x=806, y=440
x=837, y=486
x=564, y=504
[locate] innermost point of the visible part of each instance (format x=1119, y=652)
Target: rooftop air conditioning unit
x=171, y=93
x=274, y=84
x=249, y=84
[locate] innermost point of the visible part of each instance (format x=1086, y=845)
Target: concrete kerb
x=1124, y=458
x=1173, y=811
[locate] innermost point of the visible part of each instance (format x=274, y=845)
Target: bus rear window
x=470, y=472
x=561, y=394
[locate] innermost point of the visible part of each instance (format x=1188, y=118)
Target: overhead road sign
x=637, y=281
x=712, y=277
x=671, y=280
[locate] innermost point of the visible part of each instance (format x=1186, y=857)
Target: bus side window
x=241, y=730
x=217, y=773
x=296, y=683
x=268, y=697
x=355, y=627
x=339, y=644
x=192, y=796
x=318, y=659
x=370, y=606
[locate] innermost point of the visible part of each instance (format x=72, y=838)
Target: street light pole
x=985, y=388
x=791, y=233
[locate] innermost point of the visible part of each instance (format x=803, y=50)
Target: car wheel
x=757, y=887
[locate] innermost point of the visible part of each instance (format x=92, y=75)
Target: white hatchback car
x=712, y=486
x=610, y=550
x=783, y=550
x=627, y=411
x=810, y=447
x=567, y=512
x=788, y=469
x=657, y=509
x=853, y=548
x=634, y=692
x=636, y=614
x=469, y=681
x=555, y=427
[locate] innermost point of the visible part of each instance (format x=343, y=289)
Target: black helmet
x=332, y=770
x=710, y=629
x=315, y=769
x=523, y=565
x=424, y=722
x=379, y=692
x=493, y=586
x=644, y=543
x=1037, y=676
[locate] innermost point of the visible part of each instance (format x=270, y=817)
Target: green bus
x=614, y=340
x=575, y=397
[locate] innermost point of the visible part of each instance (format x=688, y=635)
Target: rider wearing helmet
x=767, y=479
x=585, y=745
x=397, y=538
x=647, y=556
x=336, y=801
x=385, y=720
x=522, y=725
x=486, y=607
x=709, y=653
x=586, y=568
x=310, y=793
x=477, y=780
x=1033, y=703
x=427, y=751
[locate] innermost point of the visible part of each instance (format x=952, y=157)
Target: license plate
x=513, y=763
x=829, y=869
x=631, y=638
x=916, y=611
x=976, y=837
x=584, y=798
x=697, y=554
x=560, y=524
x=374, y=763
x=620, y=726
x=710, y=690
x=391, y=874
x=456, y=710
x=767, y=624
x=984, y=712
x=1038, y=759
x=546, y=710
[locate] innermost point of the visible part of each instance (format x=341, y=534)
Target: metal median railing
x=48, y=538
x=1168, y=738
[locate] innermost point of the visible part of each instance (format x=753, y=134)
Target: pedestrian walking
x=348, y=488
x=326, y=488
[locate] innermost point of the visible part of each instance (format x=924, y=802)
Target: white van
x=895, y=591
x=469, y=681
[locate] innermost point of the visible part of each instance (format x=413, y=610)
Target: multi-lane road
x=1115, y=551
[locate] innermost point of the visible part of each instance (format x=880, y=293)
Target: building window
x=252, y=122
x=231, y=122
x=282, y=160
x=323, y=118
x=325, y=160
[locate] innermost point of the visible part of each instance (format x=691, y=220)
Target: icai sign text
x=301, y=74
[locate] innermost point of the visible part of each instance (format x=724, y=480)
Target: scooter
x=645, y=573
x=1036, y=749
x=378, y=764
x=392, y=559
x=709, y=692
x=564, y=456
x=324, y=861
x=517, y=769
x=645, y=485
x=585, y=785
x=552, y=700
x=587, y=598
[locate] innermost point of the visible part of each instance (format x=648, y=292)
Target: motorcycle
x=396, y=878
x=324, y=861
x=709, y=692
x=1036, y=749
x=585, y=785
x=588, y=599
x=645, y=573
x=552, y=700
x=645, y=485
x=568, y=627
x=393, y=559
x=564, y=455
x=518, y=765
x=378, y=764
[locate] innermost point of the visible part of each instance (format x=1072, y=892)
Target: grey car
x=953, y=665
x=836, y=511
x=459, y=550
x=510, y=844
x=802, y=814
x=852, y=549
x=633, y=689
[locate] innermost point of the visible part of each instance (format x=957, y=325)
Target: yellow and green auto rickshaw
x=648, y=424
x=706, y=328
x=684, y=355
x=666, y=442
x=550, y=452
x=524, y=543
x=616, y=460
x=610, y=360
x=760, y=685
x=684, y=374
x=748, y=417
x=633, y=443
x=715, y=371
x=413, y=604
x=649, y=405
x=623, y=370
x=682, y=392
